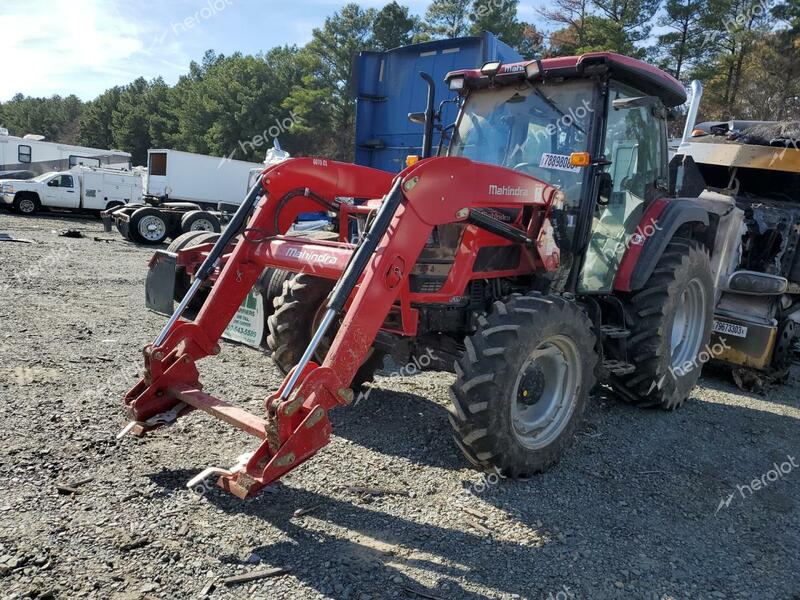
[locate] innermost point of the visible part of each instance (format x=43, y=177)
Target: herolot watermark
x=209, y=10
x=776, y=473
x=416, y=365
x=705, y=355
x=54, y=258
x=637, y=238
x=484, y=10
x=568, y=119
x=734, y=24
x=484, y=482
x=265, y=138
x=787, y=145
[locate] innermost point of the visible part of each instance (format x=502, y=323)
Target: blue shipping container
x=388, y=87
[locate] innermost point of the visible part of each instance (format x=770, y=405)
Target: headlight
x=457, y=83
x=533, y=69
x=491, y=68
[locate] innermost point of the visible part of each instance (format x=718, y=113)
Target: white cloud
x=80, y=47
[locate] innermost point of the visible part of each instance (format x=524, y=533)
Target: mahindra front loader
x=538, y=253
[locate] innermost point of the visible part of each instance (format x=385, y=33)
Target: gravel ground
x=632, y=511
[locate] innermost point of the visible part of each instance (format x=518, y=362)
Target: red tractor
x=539, y=252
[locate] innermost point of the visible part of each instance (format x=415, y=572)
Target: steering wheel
x=533, y=168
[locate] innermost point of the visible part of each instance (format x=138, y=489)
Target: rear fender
x=659, y=224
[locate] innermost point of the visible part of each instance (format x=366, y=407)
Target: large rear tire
x=148, y=226
x=670, y=329
x=292, y=324
x=200, y=220
x=523, y=383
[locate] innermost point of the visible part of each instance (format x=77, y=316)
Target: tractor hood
x=647, y=78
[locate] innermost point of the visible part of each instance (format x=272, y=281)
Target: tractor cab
x=594, y=126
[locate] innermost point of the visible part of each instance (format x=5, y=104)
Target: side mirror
x=417, y=117
x=637, y=102
x=52, y=183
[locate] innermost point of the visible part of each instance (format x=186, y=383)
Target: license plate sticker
x=730, y=329
x=558, y=162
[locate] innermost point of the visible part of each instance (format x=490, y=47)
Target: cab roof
x=640, y=75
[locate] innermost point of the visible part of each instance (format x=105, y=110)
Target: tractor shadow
x=400, y=424
x=661, y=475
x=342, y=545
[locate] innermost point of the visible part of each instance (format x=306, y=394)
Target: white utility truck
x=81, y=189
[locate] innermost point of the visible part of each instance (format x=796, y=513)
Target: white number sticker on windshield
x=559, y=162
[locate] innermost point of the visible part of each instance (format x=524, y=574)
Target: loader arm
x=430, y=193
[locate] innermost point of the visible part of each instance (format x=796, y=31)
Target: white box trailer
x=81, y=189
x=205, y=180
x=33, y=153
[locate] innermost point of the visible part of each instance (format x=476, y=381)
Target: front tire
x=670, y=328
x=294, y=321
x=26, y=204
x=523, y=383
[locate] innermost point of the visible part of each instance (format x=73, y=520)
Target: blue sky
x=83, y=47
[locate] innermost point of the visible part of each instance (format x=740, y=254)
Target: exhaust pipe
x=427, y=138
x=694, y=106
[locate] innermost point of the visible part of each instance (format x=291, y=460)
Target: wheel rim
x=688, y=324
x=545, y=391
x=201, y=225
x=26, y=205
x=152, y=228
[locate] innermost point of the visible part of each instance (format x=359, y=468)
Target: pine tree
x=393, y=27
x=447, y=18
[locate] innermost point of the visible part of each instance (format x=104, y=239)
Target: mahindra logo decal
x=507, y=190
x=310, y=256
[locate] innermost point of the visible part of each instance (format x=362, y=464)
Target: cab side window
x=633, y=144
x=64, y=181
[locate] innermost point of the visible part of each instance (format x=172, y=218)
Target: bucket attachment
x=372, y=277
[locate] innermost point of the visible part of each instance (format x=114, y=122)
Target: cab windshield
x=530, y=128
x=43, y=176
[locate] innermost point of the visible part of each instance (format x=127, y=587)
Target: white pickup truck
x=81, y=189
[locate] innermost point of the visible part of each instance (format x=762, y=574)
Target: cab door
x=635, y=146
x=62, y=192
